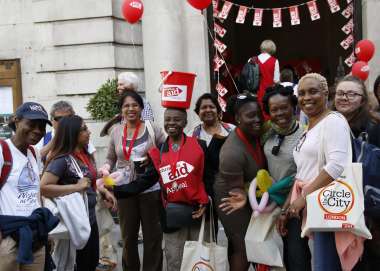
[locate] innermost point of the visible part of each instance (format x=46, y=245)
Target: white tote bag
x=263, y=243
x=202, y=256
x=339, y=206
x=72, y=210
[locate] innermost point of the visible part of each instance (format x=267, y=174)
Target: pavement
x=115, y=236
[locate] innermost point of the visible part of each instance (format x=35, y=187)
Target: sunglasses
x=300, y=142
x=58, y=118
x=276, y=148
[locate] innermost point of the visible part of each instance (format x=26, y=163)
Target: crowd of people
x=165, y=179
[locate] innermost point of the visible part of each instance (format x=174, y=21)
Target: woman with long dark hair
x=60, y=178
x=240, y=158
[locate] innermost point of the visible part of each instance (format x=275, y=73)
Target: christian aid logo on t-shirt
x=174, y=93
x=336, y=202
x=183, y=170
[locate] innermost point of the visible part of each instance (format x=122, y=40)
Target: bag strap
x=151, y=132
x=212, y=226
x=76, y=167
x=8, y=162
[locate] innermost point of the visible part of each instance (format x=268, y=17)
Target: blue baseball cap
x=32, y=111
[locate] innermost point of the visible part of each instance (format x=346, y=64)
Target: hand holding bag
x=263, y=243
x=339, y=206
x=199, y=255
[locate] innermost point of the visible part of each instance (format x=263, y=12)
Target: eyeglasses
x=58, y=118
x=300, y=142
x=83, y=129
x=276, y=148
x=348, y=95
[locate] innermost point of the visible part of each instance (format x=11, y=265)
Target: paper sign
x=219, y=30
x=221, y=89
x=277, y=20
x=313, y=9
x=346, y=43
x=258, y=17
x=294, y=15
x=218, y=62
x=220, y=46
x=334, y=6
x=240, y=19
x=349, y=27
x=225, y=10
x=348, y=11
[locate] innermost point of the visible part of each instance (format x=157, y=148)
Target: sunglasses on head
x=58, y=118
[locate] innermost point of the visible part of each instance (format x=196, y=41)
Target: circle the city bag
x=339, y=206
x=199, y=255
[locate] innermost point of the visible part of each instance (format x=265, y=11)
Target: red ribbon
x=257, y=154
x=83, y=157
x=127, y=155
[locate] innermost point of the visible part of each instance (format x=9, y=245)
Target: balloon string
x=135, y=49
x=221, y=55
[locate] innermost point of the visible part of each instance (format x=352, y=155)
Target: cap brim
x=38, y=117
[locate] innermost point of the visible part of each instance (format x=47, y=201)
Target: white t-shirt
x=336, y=148
x=19, y=196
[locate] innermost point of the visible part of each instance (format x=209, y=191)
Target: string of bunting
x=312, y=6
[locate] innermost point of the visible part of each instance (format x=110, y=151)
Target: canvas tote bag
x=73, y=215
x=263, y=243
x=202, y=256
x=339, y=206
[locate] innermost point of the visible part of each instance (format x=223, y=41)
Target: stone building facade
x=65, y=49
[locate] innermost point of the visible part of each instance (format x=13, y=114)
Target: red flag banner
x=334, y=6
x=258, y=17
x=218, y=62
x=225, y=10
x=313, y=9
x=348, y=11
x=294, y=15
x=222, y=103
x=220, y=46
x=240, y=19
x=346, y=43
x=219, y=30
x=277, y=20
x=349, y=27
x=350, y=60
x=215, y=4
x=221, y=89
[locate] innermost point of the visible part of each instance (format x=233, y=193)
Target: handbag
x=339, y=206
x=263, y=243
x=199, y=255
x=178, y=215
x=72, y=210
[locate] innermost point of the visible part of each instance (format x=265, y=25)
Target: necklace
x=175, y=147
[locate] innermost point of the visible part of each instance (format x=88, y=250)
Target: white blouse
x=335, y=152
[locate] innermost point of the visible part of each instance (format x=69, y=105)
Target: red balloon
x=360, y=69
x=364, y=50
x=199, y=4
x=132, y=10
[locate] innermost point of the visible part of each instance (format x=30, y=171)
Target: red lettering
x=335, y=217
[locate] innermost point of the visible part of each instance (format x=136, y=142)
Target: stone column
x=174, y=38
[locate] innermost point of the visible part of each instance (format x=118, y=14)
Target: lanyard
x=127, y=155
x=173, y=162
x=86, y=161
x=256, y=155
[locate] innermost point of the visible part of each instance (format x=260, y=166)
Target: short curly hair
x=279, y=89
x=207, y=96
x=316, y=76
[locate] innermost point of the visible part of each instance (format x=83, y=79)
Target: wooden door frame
x=10, y=75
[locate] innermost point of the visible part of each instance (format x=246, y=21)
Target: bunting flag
x=258, y=17
x=349, y=1
x=277, y=18
x=348, y=27
x=350, y=60
x=294, y=15
x=225, y=10
x=222, y=103
x=348, y=11
x=218, y=62
x=334, y=6
x=221, y=89
x=313, y=9
x=240, y=19
x=220, y=46
x=215, y=4
x=347, y=42
x=220, y=30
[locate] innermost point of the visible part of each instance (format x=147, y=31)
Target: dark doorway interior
x=313, y=44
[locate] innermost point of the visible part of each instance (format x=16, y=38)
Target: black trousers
x=88, y=257
x=297, y=255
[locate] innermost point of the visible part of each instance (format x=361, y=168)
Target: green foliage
x=103, y=105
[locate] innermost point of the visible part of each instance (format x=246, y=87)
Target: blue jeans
x=325, y=256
